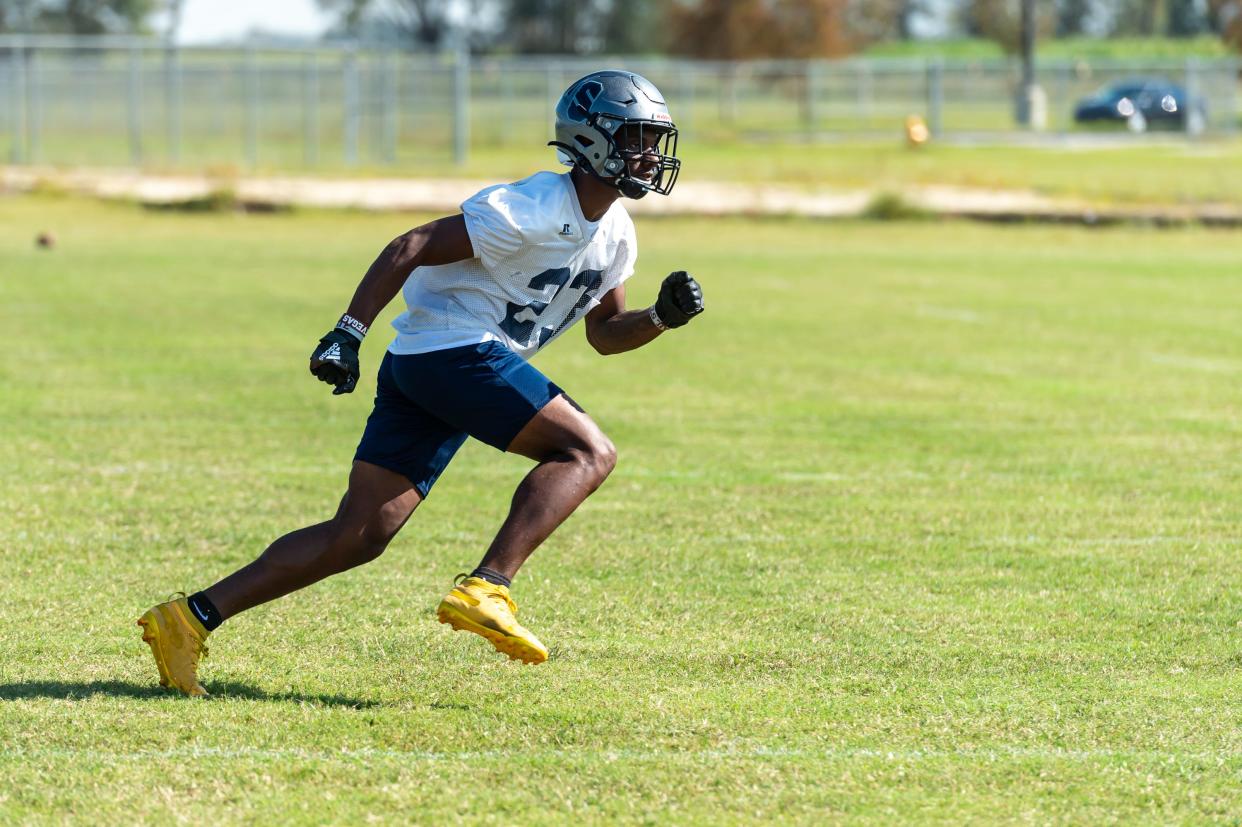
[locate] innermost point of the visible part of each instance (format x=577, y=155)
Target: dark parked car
x=1143, y=103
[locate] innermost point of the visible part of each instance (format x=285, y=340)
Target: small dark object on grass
x=45, y=240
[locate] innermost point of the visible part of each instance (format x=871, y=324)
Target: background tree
x=741, y=29
x=424, y=23
x=868, y=21
x=1144, y=18
x=348, y=13
x=546, y=26
x=1001, y=21
x=633, y=27
x=75, y=16
x=174, y=8
x=723, y=29
x=904, y=14
x=583, y=26
x=1072, y=17
x=814, y=28
x=1225, y=18
x=1187, y=18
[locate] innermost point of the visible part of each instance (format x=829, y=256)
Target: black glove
x=335, y=361
x=680, y=299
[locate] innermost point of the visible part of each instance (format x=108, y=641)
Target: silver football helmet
x=616, y=126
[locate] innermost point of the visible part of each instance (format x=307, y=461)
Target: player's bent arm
x=443, y=241
x=610, y=328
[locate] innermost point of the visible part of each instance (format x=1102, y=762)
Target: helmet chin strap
x=623, y=184
x=630, y=188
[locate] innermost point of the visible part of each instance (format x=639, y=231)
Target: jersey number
x=552, y=316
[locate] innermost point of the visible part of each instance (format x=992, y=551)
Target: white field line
x=987, y=755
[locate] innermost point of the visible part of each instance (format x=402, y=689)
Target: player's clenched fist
x=680, y=299
x=335, y=361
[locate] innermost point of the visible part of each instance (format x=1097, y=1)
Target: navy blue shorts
x=426, y=404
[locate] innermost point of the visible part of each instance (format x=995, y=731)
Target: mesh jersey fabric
x=539, y=266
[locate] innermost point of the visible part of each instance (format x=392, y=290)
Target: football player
x=484, y=291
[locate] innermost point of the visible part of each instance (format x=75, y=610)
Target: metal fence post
x=506, y=104
x=310, y=110
x=134, y=107
x=349, y=67
x=391, y=115
x=85, y=91
x=252, y=107
x=461, y=102
x=172, y=100
x=685, y=107
x=1190, y=121
x=1064, y=78
x=552, y=95
x=21, y=108
x=810, y=85
x=727, y=113
x=935, y=97
x=34, y=107
x=863, y=82
x=7, y=107
x=1233, y=70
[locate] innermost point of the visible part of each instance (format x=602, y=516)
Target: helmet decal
x=584, y=96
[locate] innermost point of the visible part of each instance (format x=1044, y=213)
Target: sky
x=207, y=21
x=212, y=21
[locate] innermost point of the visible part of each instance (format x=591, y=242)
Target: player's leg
x=402, y=452
x=574, y=456
x=376, y=506
x=492, y=394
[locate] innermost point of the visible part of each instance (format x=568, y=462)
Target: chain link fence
x=115, y=101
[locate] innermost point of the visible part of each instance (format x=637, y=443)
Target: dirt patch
x=690, y=198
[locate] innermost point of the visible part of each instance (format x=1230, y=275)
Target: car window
x=1161, y=88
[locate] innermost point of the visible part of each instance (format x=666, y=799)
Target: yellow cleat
x=177, y=641
x=475, y=605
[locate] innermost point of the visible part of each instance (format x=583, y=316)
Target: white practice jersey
x=539, y=266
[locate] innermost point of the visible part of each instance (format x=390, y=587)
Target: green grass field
x=1174, y=173
x=920, y=521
